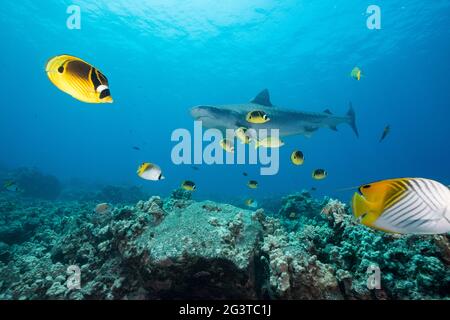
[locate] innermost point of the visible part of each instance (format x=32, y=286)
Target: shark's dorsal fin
x=263, y=98
x=328, y=111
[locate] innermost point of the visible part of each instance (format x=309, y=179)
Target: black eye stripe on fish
x=94, y=78
x=105, y=93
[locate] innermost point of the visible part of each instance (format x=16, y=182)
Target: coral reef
x=36, y=184
x=297, y=204
x=118, y=195
x=179, y=248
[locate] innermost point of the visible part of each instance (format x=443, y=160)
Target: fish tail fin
x=352, y=119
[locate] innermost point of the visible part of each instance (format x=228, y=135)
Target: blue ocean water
x=164, y=57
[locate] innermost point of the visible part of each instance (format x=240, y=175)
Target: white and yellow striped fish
x=407, y=205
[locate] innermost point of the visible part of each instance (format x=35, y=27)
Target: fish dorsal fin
x=263, y=98
x=328, y=111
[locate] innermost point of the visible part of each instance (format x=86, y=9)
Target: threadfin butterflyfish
x=78, y=79
x=257, y=116
x=11, y=186
x=251, y=203
x=406, y=205
x=297, y=158
x=150, y=171
x=241, y=134
x=269, y=142
x=188, y=185
x=356, y=73
x=227, y=145
x=319, y=174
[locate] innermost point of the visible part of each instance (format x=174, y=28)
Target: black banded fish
x=407, y=205
x=188, y=185
x=257, y=116
x=251, y=203
x=78, y=79
x=252, y=184
x=319, y=174
x=297, y=158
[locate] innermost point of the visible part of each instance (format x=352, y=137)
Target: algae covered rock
x=205, y=250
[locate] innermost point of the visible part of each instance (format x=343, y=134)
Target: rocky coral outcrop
x=36, y=184
x=179, y=248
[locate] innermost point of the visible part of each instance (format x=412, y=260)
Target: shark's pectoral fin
x=309, y=130
x=327, y=111
x=263, y=98
x=334, y=128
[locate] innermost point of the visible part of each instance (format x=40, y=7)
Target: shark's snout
x=202, y=112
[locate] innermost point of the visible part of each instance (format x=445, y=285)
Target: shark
x=289, y=122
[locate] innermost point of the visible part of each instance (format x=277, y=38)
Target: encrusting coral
x=180, y=248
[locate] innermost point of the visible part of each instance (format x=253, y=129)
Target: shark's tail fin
x=352, y=119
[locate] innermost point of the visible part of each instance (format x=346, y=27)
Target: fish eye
x=61, y=69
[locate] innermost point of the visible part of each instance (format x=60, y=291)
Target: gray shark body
x=288, y=122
